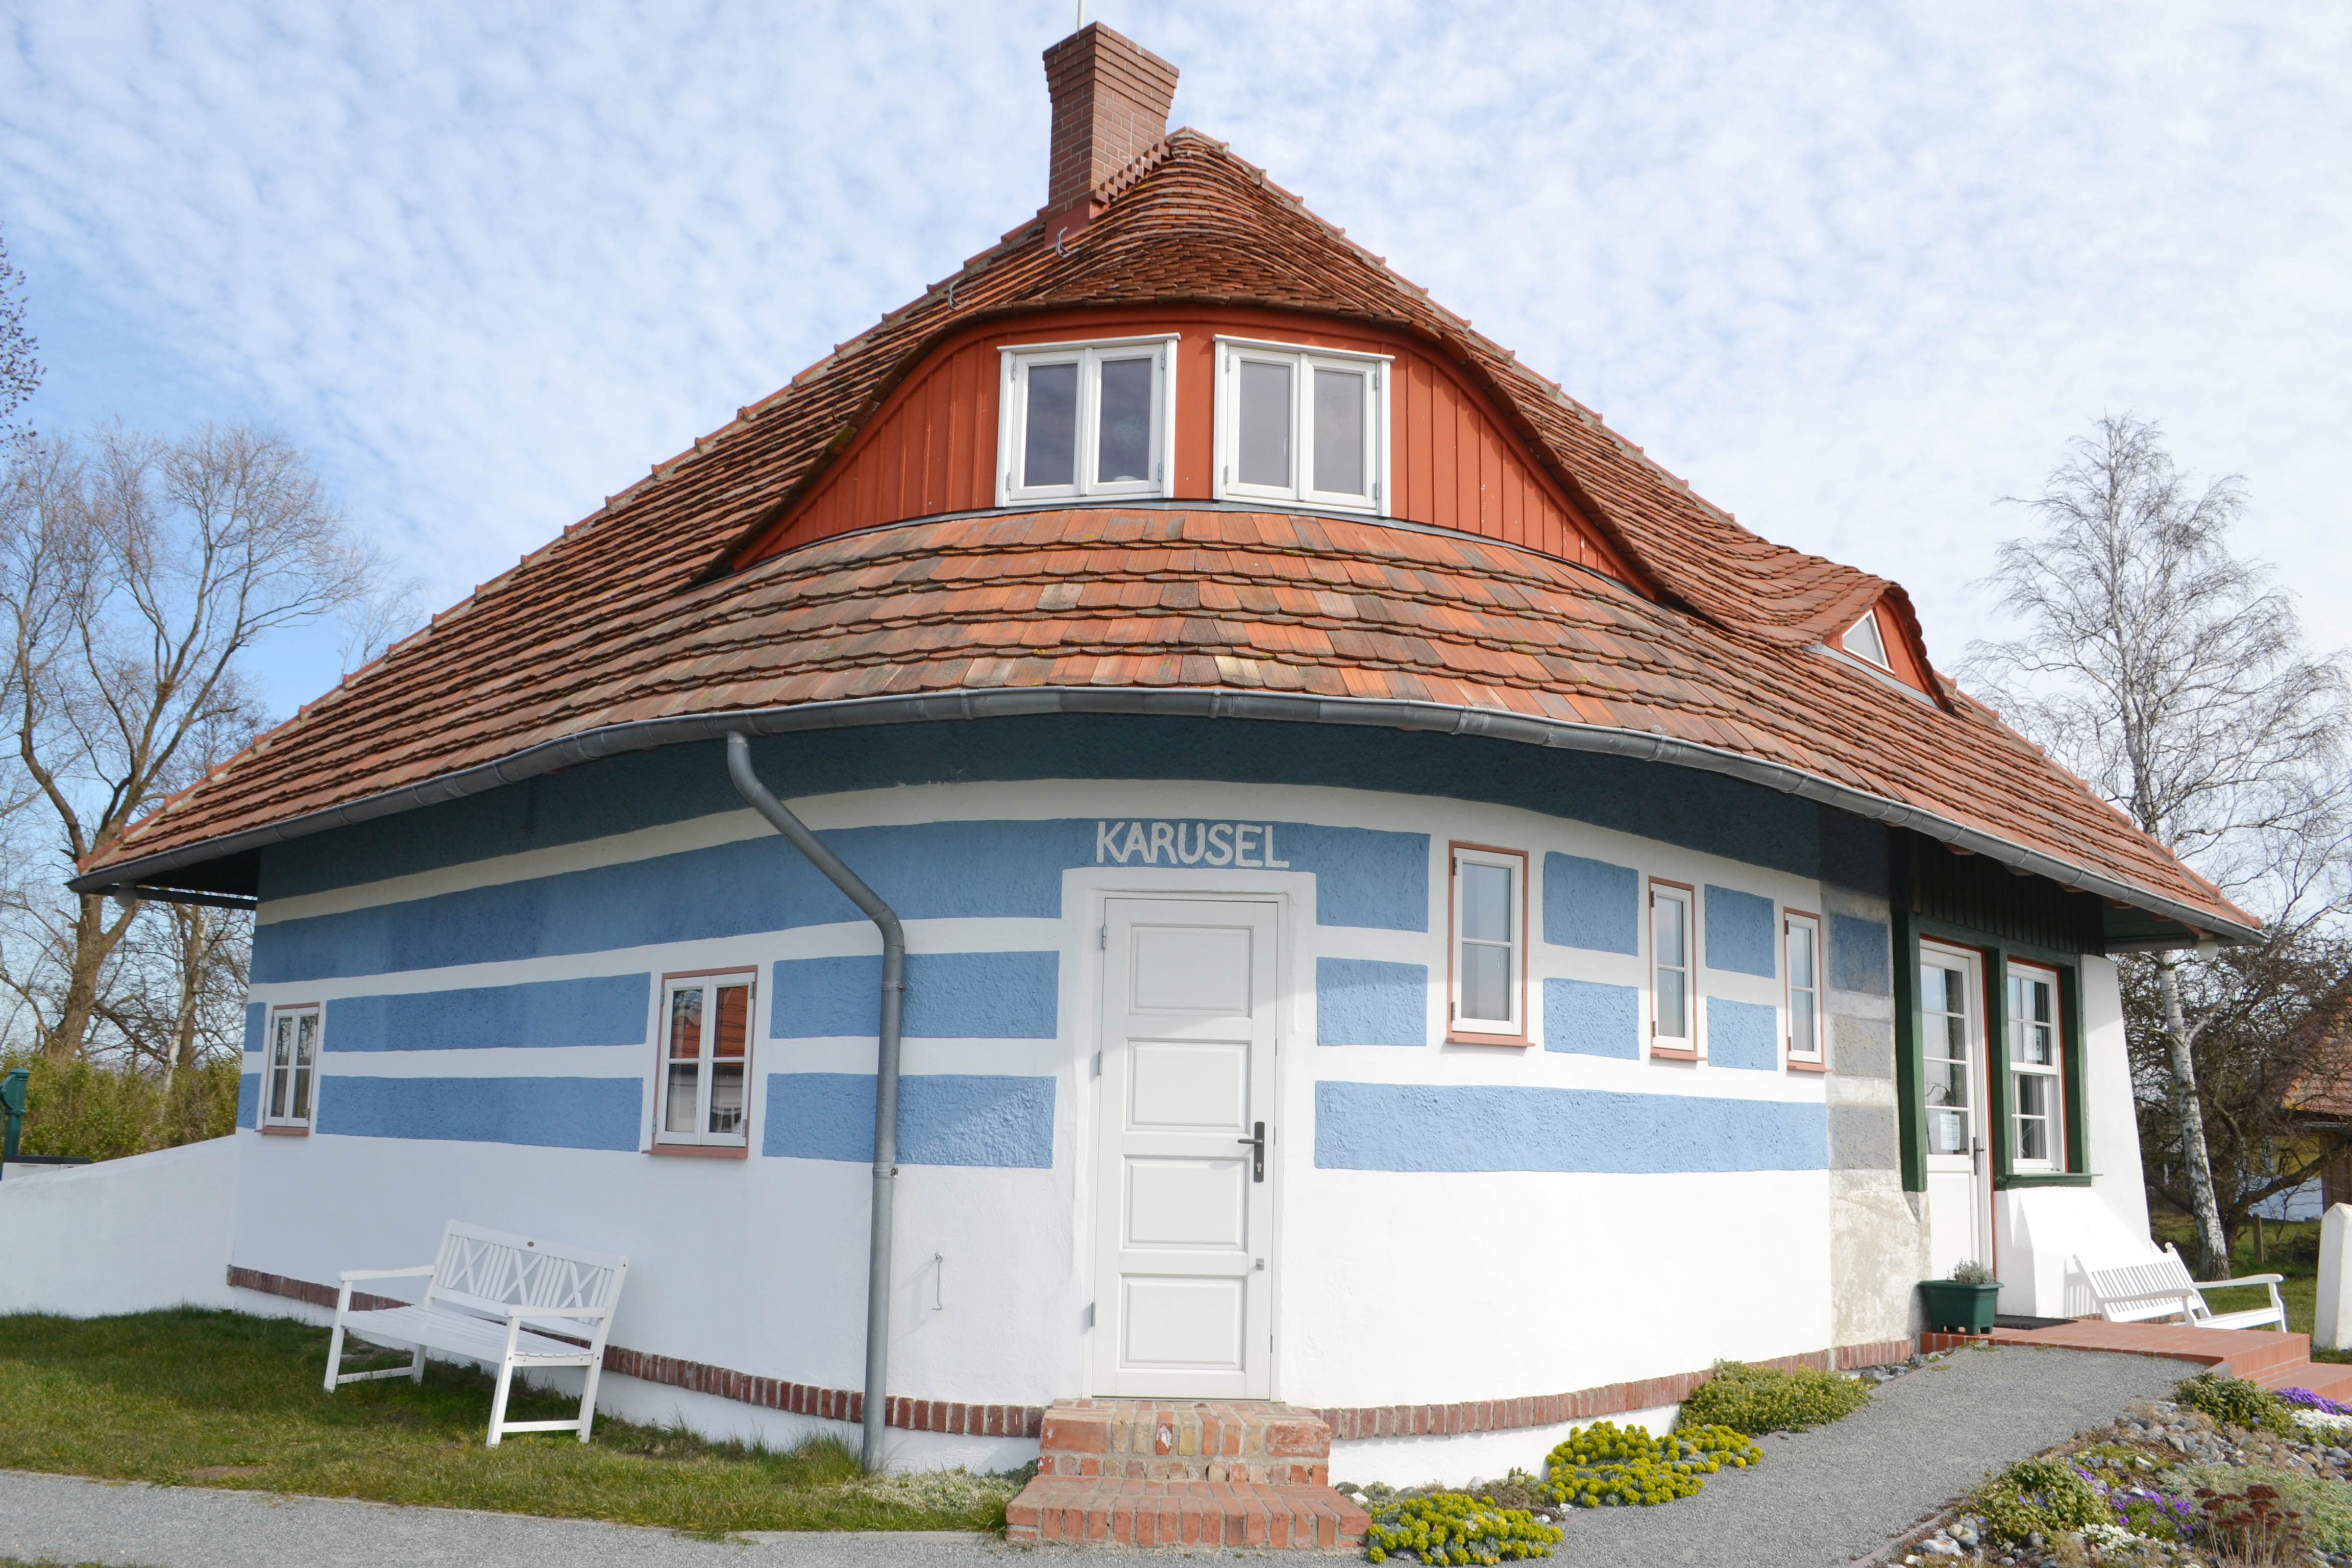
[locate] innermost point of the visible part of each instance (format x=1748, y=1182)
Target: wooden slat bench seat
x=518, y=1302
x=2160, y=1286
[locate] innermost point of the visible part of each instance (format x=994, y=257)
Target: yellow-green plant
x=100, y=1113
x=1456, y=1528
x=1760, y=1399
x=1609, y=1465
x=2048, y=1497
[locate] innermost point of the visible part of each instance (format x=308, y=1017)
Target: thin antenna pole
x=1082, y=17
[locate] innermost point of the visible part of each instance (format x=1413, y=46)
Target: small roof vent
x=1110, y=105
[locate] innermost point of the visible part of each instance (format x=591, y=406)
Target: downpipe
x=886, y=1079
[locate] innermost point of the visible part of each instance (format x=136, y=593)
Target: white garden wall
x=123, y=1235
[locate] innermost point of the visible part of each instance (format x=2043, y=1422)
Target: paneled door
x=1953, y=1084
x=1184, y=1208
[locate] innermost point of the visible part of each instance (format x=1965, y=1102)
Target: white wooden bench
x=2162, y=1286
x=515, y=1302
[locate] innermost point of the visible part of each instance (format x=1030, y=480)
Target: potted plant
x=1964, y=1303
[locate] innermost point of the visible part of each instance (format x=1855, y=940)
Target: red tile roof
x=631, y=616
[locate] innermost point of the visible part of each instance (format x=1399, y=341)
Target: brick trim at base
x=952, y=1418
x=1347, y=1422
x=1359, y=1421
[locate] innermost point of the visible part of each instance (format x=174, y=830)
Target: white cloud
x=1854, y=271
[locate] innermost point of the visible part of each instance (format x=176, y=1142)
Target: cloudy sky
x=1856, y=271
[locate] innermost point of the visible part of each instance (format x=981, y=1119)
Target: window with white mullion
x=705, y=1067
x=2036, y=1094
x=1801, y=938
x=1671, y=1007
x=290, y=1070
x=1489, y=944
x=1307, y=426
x=1082, y=420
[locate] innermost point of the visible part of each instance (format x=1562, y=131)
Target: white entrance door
x=1954, y=1087
x=1184, y=1177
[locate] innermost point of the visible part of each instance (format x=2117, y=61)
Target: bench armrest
x=559, y=1312
x=386, y=1273
x=2249, y=1280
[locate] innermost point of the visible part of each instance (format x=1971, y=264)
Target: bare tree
x=135, y=574
x=2172, y=677
x=20, y=373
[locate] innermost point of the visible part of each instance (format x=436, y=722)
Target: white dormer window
x=1305, y=425
x=1084, y=420
x=1862, y=641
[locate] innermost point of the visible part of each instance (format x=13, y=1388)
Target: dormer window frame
x=1017, y=360
x=1874, y=654
x=1302, y=363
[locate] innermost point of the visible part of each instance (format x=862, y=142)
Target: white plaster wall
x=1389, y=1287
x=122, y=1236
x=2112, y=1122
x=1473, y=1455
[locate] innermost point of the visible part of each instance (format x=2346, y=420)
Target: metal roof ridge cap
x=649, y=734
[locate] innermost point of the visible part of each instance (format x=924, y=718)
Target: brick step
x=1251, y=1441
x=2254, y=1351
x=2329, y=1380
x=1125, y=1511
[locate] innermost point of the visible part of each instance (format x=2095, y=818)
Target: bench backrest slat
x=488, y=1271
x=2155, y=1286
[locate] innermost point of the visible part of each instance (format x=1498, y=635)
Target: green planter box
x=1959, y=1309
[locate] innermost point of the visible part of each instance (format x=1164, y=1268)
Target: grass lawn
x=223, y=1399
x=2289, y=1249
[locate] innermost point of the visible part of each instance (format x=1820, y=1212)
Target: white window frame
x=1487, y=1031
x=1015, y=360
x=701, y=1138
x=1304, y=361
x=301, y=1080
x=1803, y=1053
x=1685, y=896
x=1970, y=965
x=1878, y=660
x=2055, y=1073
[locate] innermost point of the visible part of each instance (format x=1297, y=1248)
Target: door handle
x=1975, y=1157
x=1256, y=1141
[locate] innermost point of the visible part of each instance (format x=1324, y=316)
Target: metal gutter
x=147, y=877
x=886, y=1080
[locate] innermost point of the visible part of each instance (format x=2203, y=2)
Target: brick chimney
x=1110, y=104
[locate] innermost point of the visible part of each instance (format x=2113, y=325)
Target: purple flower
x=2306, y=1399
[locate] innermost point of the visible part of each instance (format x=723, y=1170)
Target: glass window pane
x=686, y=1023
x=1800, y=956
x=1800, y=1023
x=1486, y=983
x=282, y=1043
x=2040, y=1012
x=1945, y=1133
x=306, y=1035
x=1486, y=901
x=1340, y=431
x=727, y=1098
x=684, y=1088
x=1050, y=433
x=731, y=1032
x=2032, y=1094
x=1673, y=1024
x=277, y=1077
x=1123, y=444
x=1667, y=930
x=301, y=1112
x=1946, y=1083
x=1262, y=425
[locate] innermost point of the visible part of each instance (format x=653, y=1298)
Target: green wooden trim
x=1998, y=1108
x=1910, y=1119
x=2043, y=1179
x=2072, y=1072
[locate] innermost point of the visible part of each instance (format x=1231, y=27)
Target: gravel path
x=1823, y=1497
x=1820, y=1499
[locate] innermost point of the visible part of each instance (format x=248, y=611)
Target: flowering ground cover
x=2268, y=1482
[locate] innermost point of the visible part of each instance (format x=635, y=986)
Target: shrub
x=1609, y=1465
x=2045, y=1496
x=1454, y=1527
x=1974, y=1273
x=77, y=1107
x=2234, y=1402
x=1760, y=1399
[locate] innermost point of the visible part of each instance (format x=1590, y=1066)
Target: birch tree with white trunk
x=2172, y=677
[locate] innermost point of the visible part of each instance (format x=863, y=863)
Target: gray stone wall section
x=1878, y=1236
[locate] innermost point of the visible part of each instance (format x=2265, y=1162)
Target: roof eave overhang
x=151, y=875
